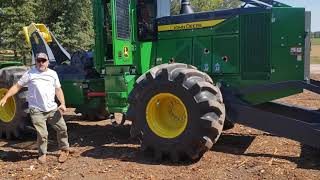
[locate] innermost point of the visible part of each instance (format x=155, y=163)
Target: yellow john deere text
x=191, y=25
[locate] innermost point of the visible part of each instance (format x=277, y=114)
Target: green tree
x=205, y=5
x=70, y=20
x=78, y=21
x=15, y=15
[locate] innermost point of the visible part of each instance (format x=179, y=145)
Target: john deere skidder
x=180, y=78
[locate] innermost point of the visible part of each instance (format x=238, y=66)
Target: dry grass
x=315, y=54
x=315, y=41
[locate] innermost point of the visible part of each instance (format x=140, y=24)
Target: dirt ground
x=105, y=152
x=315, y=51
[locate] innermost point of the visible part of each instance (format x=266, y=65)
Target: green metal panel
x=115, y=83
x=202, y=38
x=117, y=89
x=202, y=53
x=75, y=92
x=180, y=50
x=146, y=56
x=122, y=32
x=258, y=46
x=100, y=36
x=116, y=70
x=287, y=33
x=226, y=54
x=255, y=46
x=231, y=26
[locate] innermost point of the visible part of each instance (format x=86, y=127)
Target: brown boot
x=63, y=156
x=42, y=159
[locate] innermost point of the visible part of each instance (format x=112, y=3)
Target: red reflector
x=96, y=94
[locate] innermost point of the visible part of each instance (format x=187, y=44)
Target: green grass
x=315, y=41
x=315, y=60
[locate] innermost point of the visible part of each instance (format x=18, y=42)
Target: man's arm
x=60, y=96
x=12, y=91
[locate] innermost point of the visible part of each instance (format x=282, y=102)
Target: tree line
x=315, y=34
x=205, y=5
x=70, y=20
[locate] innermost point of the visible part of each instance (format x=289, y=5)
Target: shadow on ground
x=237, y=144
x=108, y=142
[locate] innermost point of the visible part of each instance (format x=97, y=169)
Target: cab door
x=122, y=32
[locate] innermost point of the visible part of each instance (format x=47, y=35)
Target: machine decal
x=217, y=68
x=206, y=67
x=296, y=51
x=159, y=60
x=192, y=25
x=126, y=51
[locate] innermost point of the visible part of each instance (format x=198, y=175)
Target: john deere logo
x=126, y=51
x=191, y=25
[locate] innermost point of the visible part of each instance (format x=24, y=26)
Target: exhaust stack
x=186, y=7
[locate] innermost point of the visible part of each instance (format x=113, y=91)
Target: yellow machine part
x=166, y=115
x=7, y=112
x=41, y=28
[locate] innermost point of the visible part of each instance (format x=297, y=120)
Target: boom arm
x=40, y=39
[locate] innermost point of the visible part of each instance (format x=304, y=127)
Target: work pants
x=55, y=119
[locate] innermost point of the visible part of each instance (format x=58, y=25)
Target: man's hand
x=11, y=92
x=62, y=107
x=3, y=102
x=60, y=96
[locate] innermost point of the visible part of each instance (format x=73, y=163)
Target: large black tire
x=228, y=124
x=203, y=103
x=8, y=77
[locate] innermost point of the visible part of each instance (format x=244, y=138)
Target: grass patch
x=315, y=60
x=315, y=41
x=315, y=54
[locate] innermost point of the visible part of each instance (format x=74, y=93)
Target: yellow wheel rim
x=7, y=112
x=166, y=115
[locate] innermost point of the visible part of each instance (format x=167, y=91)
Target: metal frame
x=210, y=15
x=264, y=3
x=295, y=123
x=307, y=46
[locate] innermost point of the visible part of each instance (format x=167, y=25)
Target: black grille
x=123, y=19
x=255, y=42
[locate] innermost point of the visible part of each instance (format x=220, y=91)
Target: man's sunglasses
x=41, y=60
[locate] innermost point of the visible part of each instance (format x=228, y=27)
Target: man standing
x=43, y=85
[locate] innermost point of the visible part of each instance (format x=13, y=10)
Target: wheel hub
x=7, y=112
x=166, y=115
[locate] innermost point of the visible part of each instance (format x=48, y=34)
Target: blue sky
x=310, y=5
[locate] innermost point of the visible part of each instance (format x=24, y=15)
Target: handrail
x=265, y=3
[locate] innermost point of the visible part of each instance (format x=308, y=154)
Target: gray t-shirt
x=41, y=88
